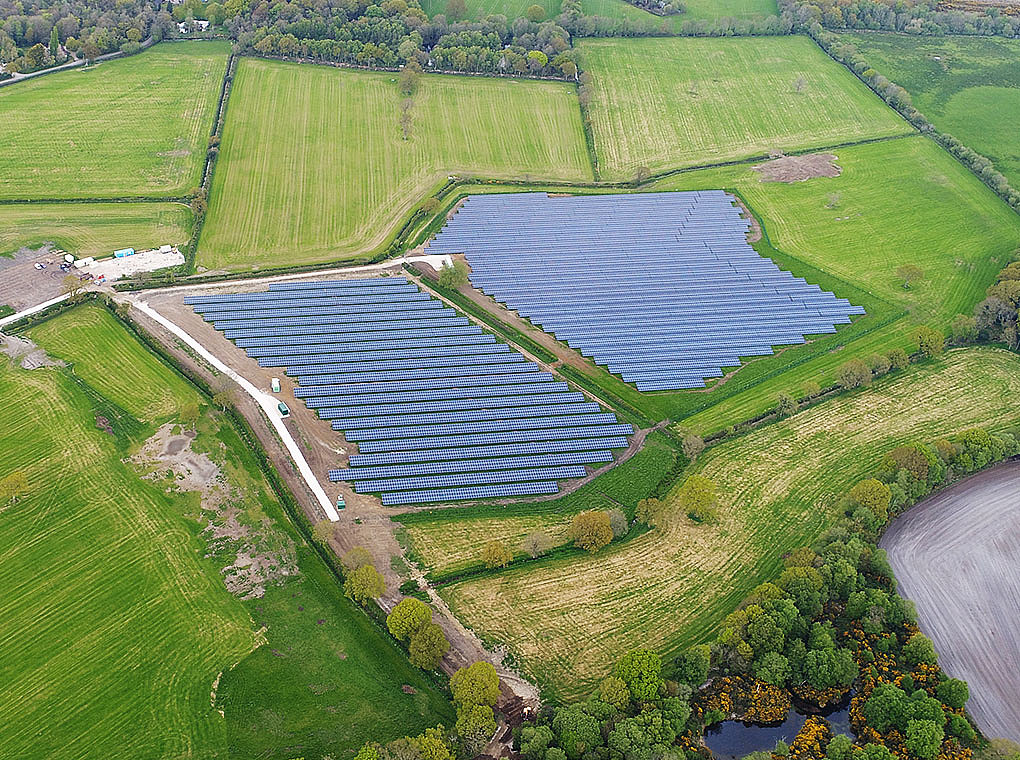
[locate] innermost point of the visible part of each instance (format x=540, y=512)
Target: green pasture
x=567, y=618
x=131, y=127
x=661, y=104
x=314, y=166
x=92, y=229
x=967, y=86
x=118, y=623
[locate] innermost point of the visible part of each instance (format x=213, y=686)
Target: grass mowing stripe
x=118, y=613
x=92, y=229
x=668, y=103
x=134, y=126
x=313, y=166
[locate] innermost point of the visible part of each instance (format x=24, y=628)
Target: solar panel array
x=439, y=410
x=660, y=288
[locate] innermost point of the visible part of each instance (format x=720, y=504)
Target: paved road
x=957, y=556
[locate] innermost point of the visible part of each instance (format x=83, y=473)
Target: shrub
x=692, y=445
x=898, y=359
x=786, y=405
x=536, y=544
x=453, y=275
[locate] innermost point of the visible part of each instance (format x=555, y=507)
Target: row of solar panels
x=661, y=288
x=407, y=389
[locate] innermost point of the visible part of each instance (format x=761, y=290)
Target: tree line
x=921, y=17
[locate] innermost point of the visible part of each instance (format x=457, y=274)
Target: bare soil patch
x=26, y=353
x=259, y=554
x=799, y=168
x=954, y=555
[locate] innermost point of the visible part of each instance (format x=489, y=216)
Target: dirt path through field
x=955, y=556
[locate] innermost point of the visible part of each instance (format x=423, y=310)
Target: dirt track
x=956, y=557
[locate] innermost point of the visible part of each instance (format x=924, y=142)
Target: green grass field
x=136, y=126
x=713, y=9
x=92, y=229
x=118, y=623
x=566, y=619
x=967, y=86
x=450, y=540
x=314, y=168
x=479, y=9
x=670, y=103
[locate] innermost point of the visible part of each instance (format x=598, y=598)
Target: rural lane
x=955, y=556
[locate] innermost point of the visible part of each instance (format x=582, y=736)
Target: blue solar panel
x=471, y=465
x=437, y=407
x=646, y=284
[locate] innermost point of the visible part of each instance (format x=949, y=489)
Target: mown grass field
x=136, y=126
x=968, y=87
x=92, y=229
x=567, y=619
x=450, y=540
x=117, y=622
x=479, y=9
x=714, y=9
x=670, y=103
x=313, y=166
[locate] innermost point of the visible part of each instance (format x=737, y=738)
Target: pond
x=733, y=739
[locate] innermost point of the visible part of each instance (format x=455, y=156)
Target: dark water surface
x=733, y=739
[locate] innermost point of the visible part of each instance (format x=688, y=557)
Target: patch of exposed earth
x=260, y=554
x=26, y=353
x=799, y=168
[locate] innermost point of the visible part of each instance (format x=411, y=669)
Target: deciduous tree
x=930, y=341
x=591, y=530
x=364, y=584
x=408, y=617
x=476, y=684
x=853, y=374
x=427, y=647
x=496, y=554
x=873, y=494
x=698, y=499
x=641, y=670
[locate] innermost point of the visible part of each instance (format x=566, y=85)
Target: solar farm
x=440, y=411
x=662, y=289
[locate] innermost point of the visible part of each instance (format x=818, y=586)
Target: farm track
x=954, y=556
x=365, y=522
